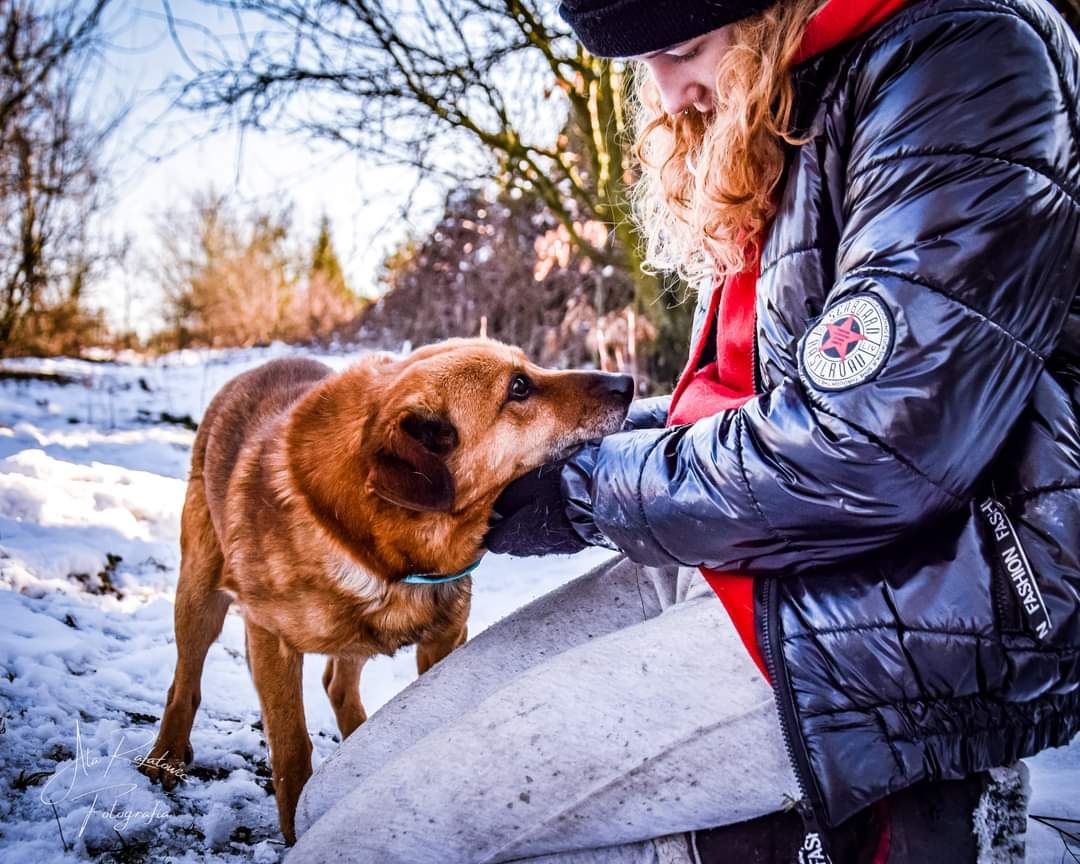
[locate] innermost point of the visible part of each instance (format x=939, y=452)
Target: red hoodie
x=728, y=382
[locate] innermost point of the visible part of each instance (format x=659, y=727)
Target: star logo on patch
x=849, y=344
x=841, y=337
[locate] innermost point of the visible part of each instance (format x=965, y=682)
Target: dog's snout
x=611, y=385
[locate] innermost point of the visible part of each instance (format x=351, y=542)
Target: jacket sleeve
x=960, y=219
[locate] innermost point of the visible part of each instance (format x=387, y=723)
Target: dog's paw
x=162, y=766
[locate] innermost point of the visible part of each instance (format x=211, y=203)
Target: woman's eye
x=689, y=55
x=520, y=388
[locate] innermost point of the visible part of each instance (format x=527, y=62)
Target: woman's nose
x=675, y=101
x=678, y=92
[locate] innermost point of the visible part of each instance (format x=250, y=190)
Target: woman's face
x=685, y=74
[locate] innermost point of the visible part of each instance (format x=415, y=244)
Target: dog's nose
x=610, y=384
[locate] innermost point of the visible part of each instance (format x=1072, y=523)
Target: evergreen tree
x=327, y=304
x=325, y=264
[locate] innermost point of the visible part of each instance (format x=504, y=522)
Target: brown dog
x=313, y=495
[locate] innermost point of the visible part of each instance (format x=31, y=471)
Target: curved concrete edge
x=548, y=625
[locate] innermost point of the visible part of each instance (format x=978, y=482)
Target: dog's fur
x=313, y=494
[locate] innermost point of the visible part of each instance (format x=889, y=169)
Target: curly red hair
x=705, y=193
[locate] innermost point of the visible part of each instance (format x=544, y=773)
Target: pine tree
x=324, y=261
x=328, y=303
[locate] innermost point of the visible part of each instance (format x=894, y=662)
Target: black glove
x=530, y=517
x=650, y=413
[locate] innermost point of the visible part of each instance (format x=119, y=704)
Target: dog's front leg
x=277, y=669
x=431, y=651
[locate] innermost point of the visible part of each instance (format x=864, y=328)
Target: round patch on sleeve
x=849, y=344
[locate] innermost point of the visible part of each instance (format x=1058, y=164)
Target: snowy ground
x=92, y=467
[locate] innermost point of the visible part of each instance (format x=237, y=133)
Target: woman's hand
x=529, y=518
x=547, y=511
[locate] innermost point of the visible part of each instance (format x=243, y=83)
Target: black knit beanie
x=624, y=28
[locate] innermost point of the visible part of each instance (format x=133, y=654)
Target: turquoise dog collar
x=438, y=579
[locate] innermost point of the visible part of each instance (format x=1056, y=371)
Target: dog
x=317, y=500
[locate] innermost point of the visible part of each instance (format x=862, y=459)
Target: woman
x=874, y=455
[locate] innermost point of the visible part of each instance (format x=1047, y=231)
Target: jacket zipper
x=754, y=372
x=810, y=805
x=1006, y=621
x=1008, y=616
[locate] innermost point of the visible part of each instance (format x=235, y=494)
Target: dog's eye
x=520, y=388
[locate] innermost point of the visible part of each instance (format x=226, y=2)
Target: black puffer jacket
x=933, y=218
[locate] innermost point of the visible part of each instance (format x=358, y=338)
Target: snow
x=91, y=484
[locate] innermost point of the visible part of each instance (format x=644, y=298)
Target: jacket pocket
x=1018, y=601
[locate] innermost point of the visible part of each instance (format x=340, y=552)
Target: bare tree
x=37, y=46
x=506, y=268
x=233, y=276
x=467, y=92
x=50, y=170
x=227, y=276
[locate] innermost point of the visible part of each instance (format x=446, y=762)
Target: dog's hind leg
x=341, y=680
x=431, y=651
x=199, y=615
x=278, y=672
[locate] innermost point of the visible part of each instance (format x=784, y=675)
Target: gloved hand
x=648, y=413
x=531, y=517
x=549, y=510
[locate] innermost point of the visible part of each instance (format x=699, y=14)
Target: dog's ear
x=410, y=468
